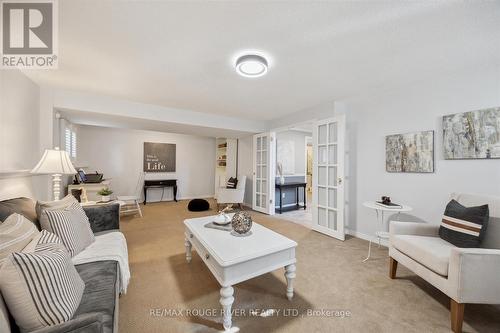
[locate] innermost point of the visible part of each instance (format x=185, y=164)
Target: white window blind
x=70, y=142
x=73, y=144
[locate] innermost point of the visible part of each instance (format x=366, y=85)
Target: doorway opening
x=294, y=173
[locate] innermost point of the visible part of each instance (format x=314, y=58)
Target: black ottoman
x=198, y=205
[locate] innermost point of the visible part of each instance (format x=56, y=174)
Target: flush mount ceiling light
x=251, y=65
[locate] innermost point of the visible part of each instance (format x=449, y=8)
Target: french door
x=264, y=147
x=328, y=176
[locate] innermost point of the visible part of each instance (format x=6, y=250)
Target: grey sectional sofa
x=98, y=310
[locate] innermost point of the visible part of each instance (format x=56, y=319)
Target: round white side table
x=380, y=210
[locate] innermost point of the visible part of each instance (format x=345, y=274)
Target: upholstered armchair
x=466, y=275
x=232, y=195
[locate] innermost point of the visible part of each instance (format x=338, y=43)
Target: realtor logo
x=29, y=34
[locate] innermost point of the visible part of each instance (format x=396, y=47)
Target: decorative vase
x=282, y=180
x=241, y=222
x=222, y=219
x=105, y=198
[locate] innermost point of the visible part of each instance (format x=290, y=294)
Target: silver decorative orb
x=241, y=222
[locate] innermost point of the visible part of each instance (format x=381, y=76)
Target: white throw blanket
x=108, y=246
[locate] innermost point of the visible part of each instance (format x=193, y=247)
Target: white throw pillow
x=71, y=225
x=41, y=288
x=15, y=233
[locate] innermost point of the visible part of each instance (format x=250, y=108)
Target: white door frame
x=268, y=177
x=334, y=184
x=283, y=129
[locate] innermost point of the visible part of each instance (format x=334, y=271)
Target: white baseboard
x=203, y=196
x=290, y=205
x=373, y=238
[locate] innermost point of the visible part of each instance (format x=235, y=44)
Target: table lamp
x=55, y=162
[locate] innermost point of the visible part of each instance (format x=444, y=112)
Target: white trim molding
x=373, y=238
x=15, y=173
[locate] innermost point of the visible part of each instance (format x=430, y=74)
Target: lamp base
x=56, y=186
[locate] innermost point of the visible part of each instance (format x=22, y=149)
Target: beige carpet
x=330, y=276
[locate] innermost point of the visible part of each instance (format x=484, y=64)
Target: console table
x=295, y=185
x=160, y=183
x=90, y=188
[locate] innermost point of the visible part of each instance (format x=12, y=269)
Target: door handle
x=340, y=181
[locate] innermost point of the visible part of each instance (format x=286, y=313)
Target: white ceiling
x=179, y=54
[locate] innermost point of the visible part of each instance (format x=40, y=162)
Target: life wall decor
x=159, y=157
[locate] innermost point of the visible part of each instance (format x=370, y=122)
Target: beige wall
x=19, y=121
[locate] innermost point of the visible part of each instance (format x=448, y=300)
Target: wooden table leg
x=226, y=300
x=393, y=267
x=457, y=315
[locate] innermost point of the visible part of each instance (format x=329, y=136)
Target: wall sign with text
x=159, y=157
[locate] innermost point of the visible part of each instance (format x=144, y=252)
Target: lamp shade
x=54, y=161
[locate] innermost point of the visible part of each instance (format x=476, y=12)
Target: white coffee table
x=380, y=216
x=234, y=259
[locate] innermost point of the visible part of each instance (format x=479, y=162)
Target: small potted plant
x=105, y=194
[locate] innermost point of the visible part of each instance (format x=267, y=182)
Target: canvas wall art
x=473, y=134
x=285, y=154
x=410, y=152
x=159, y=157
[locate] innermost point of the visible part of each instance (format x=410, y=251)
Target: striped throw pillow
x=15, y=233
x=42, y=207
x=232, y=182
x=41, y=288
x=464, y=226
x=72, y=226
x=43, y=241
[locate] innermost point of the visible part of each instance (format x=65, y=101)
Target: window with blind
x=70, y=142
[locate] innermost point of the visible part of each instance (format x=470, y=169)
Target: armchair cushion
x=230, y=196
x=464, y=226
x=413, y=228
x=431, y=252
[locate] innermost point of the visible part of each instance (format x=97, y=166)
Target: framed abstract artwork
x=472, y=135
x=410, y=152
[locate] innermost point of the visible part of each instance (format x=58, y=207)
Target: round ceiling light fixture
x=251, y=65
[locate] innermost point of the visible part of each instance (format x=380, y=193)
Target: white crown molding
x=14, y=173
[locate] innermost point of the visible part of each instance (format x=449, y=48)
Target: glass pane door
x=263, y=189
x=328, y=172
